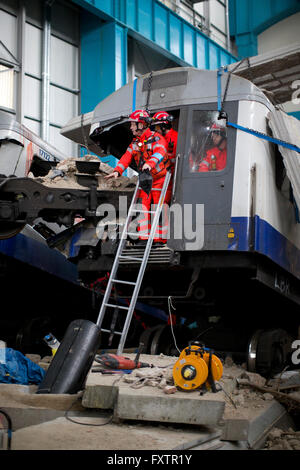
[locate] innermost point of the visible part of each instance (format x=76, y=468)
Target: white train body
x=20, y=147
x=277, y=231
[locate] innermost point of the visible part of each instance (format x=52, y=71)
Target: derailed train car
x=22, y=151
x=32, y=274
x=231, y=271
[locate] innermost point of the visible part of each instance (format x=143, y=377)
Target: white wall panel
x=185, y=13
x=8, y=31
x=32, y=97
x=217, y=15
x=218, y=37
x=34, y=126
x=199, y=8
x=33, y=50
x=64, y=63
x=63, y=106
x=63, y=144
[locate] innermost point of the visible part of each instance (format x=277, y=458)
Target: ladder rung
x=131, y=258
x=123, y=282
x=114, y=332
x=156, y=189
x=119, y=306
x=144, y=212
x=135, y=234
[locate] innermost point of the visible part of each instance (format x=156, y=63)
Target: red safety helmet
x=218, y=128
x=161, y=117
x=139, y=116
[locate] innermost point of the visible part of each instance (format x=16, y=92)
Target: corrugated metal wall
x=46, y=88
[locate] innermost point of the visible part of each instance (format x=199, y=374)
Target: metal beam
x=160, y=27
x=21, y=55
x=45, y=103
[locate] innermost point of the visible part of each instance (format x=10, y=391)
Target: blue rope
x=245, y=129
x=265, y=137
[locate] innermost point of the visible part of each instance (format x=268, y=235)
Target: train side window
x=208, y=145
x=283, y=183
x=281, y=179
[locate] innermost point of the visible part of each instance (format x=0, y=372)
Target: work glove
x=145, y=180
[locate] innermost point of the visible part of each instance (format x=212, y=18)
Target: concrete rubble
x=66, y=175
x=144, y=411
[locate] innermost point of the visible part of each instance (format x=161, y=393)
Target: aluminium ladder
x=112, y=278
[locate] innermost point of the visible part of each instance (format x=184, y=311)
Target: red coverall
x=150, y=148
x=171, y=138
x=215, y=160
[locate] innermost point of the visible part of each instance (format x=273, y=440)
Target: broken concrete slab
x=27, y=408
x=246, y=419
x=253, y=423
x=151, y=403
x=61, y=434
x=24, y=396
x=24, y=417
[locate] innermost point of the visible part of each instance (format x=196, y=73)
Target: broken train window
x=208, y=145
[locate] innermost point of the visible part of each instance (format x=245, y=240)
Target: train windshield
x=208, y=144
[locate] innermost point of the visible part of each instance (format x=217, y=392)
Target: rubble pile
x=285, y=387
x=250, y=399
x=283, y=440
x=156, y=377
x=65, y=175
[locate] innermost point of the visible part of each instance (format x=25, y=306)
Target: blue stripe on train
x=268, y=241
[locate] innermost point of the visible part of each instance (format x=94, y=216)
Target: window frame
x=232, y=110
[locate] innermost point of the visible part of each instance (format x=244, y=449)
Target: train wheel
x=269, y=351
x=252, y=351
x=10, y=230
x=147, y=337
x=163, y=341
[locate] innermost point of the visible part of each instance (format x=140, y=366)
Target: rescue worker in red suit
x=148, y=149
x=215, y=158
x=162, y=123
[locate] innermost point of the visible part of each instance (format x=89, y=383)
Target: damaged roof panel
x=282, y=66
x=287, y=128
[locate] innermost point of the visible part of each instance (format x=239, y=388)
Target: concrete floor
x=63, y=422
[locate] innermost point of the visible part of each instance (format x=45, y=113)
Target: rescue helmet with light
x=161, y=118
x=139, y=116
x=218, y=129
